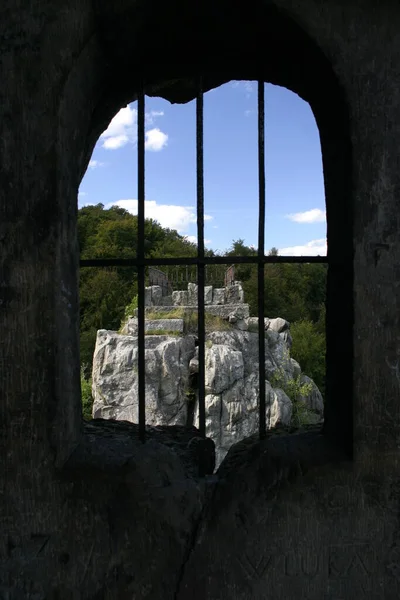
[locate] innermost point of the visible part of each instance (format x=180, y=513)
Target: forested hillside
x=295, y=292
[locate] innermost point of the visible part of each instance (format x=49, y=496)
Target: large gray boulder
x=115, y=377
x=233, y=415
x=231, y=378
x=223, y=367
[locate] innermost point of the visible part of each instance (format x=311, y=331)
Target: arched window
x=262, y=44
x=202, y=261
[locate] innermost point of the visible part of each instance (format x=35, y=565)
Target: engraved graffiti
x=254, y=568
x=347, y=560
x=334, y=562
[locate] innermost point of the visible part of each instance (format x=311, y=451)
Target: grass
x=162, y=332
x=177, y=313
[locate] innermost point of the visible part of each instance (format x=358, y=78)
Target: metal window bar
x=201, y=261
x=261, y=251
x=140, y=255
x=200, y=257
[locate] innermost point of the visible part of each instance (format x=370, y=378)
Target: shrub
x=86, y=396
x=309, y=349
x=294, y=389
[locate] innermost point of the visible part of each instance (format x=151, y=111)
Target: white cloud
x=82, y=193
x=208, y=217
x=193, y=239
x=315, y=215
x=247, y=86
x=168, y=215
x=93, y=164
x=156, y=140
x=313, y=248
x=123, y=130
x=152, y=115
x=247, y=113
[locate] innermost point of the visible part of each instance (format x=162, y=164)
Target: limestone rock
x=115, y=380
x=278, y=324
x=240, y=311
x=218, y=296
x=241, y=324
x=252, y=324
x=192, y=294
x=280, y=407
x=296, y=369
x=165, y=301
x=313, y=400
x=223, y=366
x=232, y=415
x=208, y=294
x=234, y=294
x=231, y=376
x=180, y=298
x=170, y=325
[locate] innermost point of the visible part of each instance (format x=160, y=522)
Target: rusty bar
x=141, y=266
x=200, y=255
x=261, y=253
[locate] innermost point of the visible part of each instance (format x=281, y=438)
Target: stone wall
x=89, y=512
x=232, y=294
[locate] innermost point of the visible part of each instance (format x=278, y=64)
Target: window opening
x=201, y=261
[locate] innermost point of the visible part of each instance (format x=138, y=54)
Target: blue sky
x=295, y=199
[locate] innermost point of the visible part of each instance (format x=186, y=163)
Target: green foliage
x=292, y=291
x=295, y=292
x=309, y=350
x=190, y=394
x=295, y=389
x=216, y=323
x=105, y=293
x=162, y=332
x=86, y=394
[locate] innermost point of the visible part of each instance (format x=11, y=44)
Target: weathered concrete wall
x=87, y=512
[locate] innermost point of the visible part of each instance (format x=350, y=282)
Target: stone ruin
x=226, y=303
x=231, y=369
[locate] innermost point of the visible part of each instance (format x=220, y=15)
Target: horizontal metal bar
x=207, y=260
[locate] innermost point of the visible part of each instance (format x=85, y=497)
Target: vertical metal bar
x=261, y=252
x=141, y=270
x=200, y=254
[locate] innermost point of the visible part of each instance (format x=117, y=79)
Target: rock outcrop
x=231, y=370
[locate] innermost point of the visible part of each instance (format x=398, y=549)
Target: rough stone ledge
x=306, y=447
x=108, y=447
x=284, y=455
x=220, y=310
